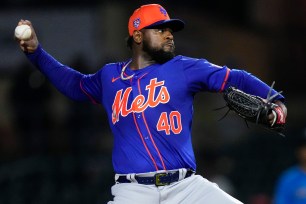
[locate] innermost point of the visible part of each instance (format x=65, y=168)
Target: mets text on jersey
x=140, y=103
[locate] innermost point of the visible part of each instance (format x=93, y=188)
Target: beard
x=158, y=54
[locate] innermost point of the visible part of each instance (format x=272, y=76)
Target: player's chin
x=169, y=48
x=168, y=53
x=162, y=57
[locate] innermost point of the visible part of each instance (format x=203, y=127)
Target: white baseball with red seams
x=23, y=32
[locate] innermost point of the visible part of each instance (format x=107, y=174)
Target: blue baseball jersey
x=291, y=187
x=150, y=115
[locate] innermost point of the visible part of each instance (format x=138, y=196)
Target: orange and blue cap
x=153, y=16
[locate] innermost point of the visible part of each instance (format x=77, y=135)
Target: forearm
x=254, y=86
x=250, y=84
x=65, y=79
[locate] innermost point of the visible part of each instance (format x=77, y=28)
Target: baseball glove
x=255, y=109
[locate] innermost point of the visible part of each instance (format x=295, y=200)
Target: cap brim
x=174, y=24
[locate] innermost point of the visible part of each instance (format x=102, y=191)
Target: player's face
x=159, y=44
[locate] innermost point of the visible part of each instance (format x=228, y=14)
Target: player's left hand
x=271, y=115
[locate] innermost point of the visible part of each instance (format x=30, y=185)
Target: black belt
x=159, y=179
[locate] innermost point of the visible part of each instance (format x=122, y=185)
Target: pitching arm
x=64, y=78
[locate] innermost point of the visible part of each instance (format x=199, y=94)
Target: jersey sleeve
x=92, y=87
x=202, y=75
x=65, y=79
x=249, y=83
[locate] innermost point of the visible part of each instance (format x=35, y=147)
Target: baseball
x=23, y=32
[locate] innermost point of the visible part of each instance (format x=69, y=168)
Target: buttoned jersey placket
x=142, y=127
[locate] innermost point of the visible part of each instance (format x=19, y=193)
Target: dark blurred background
x=54, y=150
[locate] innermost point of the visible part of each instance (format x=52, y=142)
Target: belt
x=158, y=179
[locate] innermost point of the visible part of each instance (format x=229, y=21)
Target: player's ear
x=137, y=36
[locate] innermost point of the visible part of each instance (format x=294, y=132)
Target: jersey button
x=139, y=116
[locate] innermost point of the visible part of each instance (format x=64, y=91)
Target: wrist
x=279, y=116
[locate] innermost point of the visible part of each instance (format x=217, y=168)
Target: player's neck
x=141, y=61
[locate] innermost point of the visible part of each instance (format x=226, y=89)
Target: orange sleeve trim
x=225, y=80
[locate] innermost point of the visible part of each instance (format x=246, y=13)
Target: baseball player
x=148, y=99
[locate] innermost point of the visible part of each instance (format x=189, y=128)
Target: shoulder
x=113, y=67
x=186, y=58
x=191, y=62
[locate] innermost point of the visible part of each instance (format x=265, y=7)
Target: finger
x=21, y=22
x=27, y=22
x=24, y=22
x=23, y=48
x=23, y=45
x=271, y=116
